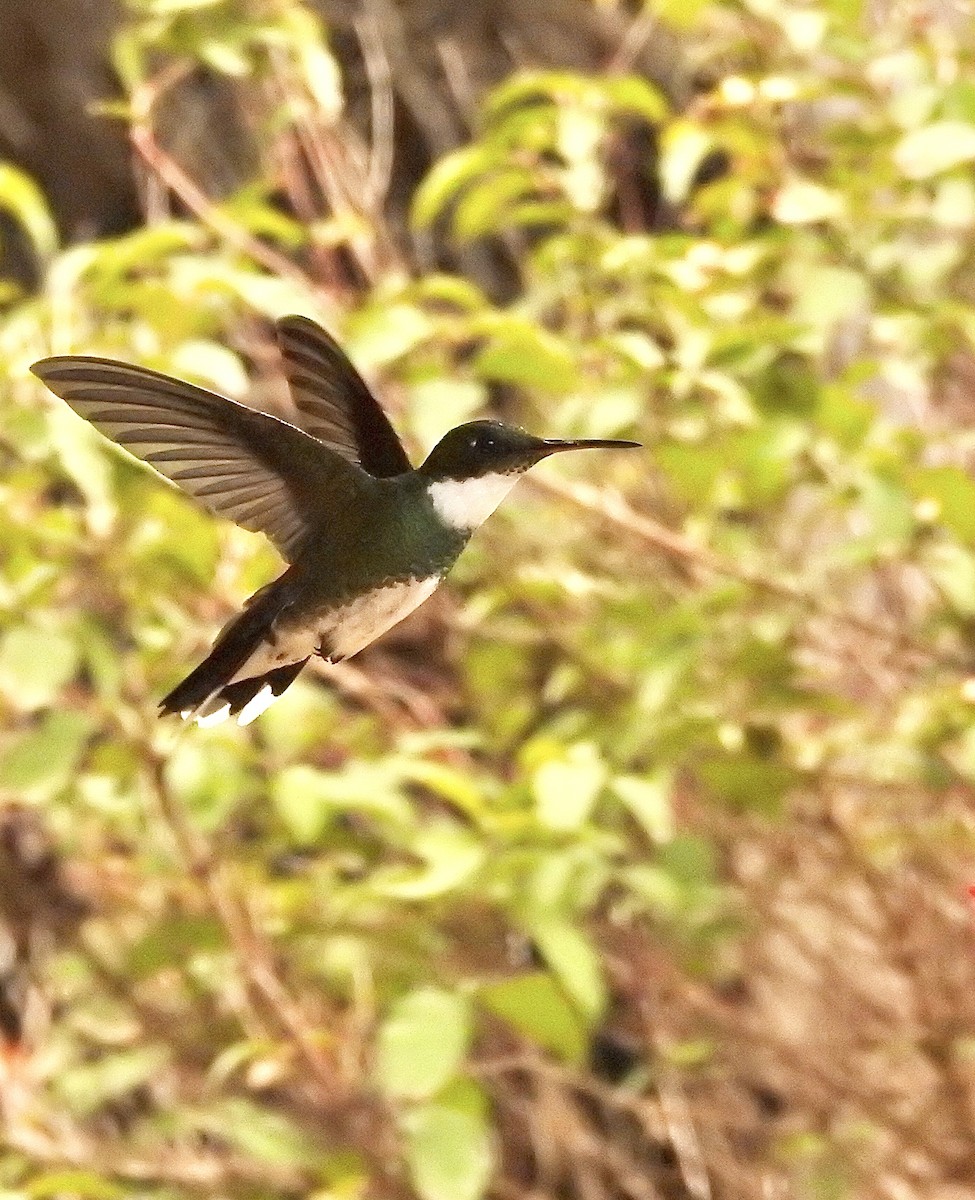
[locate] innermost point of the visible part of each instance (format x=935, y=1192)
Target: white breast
x=465, y=503
x=343, y=631
x=361, y=621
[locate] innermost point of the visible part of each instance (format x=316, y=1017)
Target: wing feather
x=336, y=403
x=262, y=472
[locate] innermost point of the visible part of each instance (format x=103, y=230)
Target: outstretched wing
x=339, y=409
x=257, y=470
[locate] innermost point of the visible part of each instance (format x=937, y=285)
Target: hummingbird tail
x=236, y=679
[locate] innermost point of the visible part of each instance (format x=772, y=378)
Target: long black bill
x=556, y=446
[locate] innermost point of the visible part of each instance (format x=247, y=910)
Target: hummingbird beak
x=556, y=445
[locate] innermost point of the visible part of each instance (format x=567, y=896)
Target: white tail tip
x=213, y=718
x=256, y=705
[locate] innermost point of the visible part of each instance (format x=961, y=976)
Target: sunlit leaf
x=256, y=1130
x=526, y=355
x=935, y=148
x=85, y=1088
x=422, y=1043
x=87, y=1185
x=566, y=788
x=35, y=664
x=683, y=146
x=449, y=1146
x=451, y=857
x=636, y=95
x=538, y=1008
x=953, y=571
x=801, y=202
x=951, y=491
x=648, y=798
x=450, y=174
x=23, y=200
x=574, y=961
x=43, y=758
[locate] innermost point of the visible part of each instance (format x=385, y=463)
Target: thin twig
x=638, y=34
x=382, y=110
x=172, y=175
x=196, y=200
x=182, y=1167
x=610, y=506
x=254, y=956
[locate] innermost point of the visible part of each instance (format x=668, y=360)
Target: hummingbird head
x=473, y=467
x=480, y=448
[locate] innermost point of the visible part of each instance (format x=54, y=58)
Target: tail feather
x=214, y=690
x=246, y=699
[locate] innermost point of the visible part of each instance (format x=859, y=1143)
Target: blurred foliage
x=342, y=950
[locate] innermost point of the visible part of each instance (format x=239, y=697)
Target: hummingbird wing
x=257, y=470
x=339, y=409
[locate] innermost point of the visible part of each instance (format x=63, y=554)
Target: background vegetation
x=635, y=864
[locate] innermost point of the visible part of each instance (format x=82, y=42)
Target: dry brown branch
x=181, y=1167
x=253, y=955
x=165, y=168
x=609, y=506
x=382, y=108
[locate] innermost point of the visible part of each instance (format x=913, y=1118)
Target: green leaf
x=935, y=148
x=440, y=403
x=635, y=95
x=259, y=1132
x=171, y=941
x=954, y=203
x=844, y=415
x=825, y=295
x=486, y=205
x=24, y=201
x=749, y=782
x=683, y=146
x=538, y=1008
x=527, y=356
x=574, y=962
x=458, y=787
x=305, y=801
x=693, y=1052
x=689, y=860
x=422, y=1043
x=216, y=367
x=84, y=1089
x=448, y=1145
x=890, y=519
x=363, y=788
x=566, y=788
x=35, y=664
x=801, y=202
x=451, y=857
x=951, y=491
x=448, y=177
x=210, y=778
x=386, y=332
x=533, y=87
x=648, y=798
x=953, y=570
x=83, y=1184
x=45, y=758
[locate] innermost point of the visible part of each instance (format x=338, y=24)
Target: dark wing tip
x=62, y=368
x=296, y=321
x=296, y=326
x=46, y=368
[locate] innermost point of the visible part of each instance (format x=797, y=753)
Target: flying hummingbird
x=367, y=537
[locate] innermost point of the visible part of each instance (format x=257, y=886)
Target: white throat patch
x=465, y=503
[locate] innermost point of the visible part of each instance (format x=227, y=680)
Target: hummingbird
x=366, y=536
